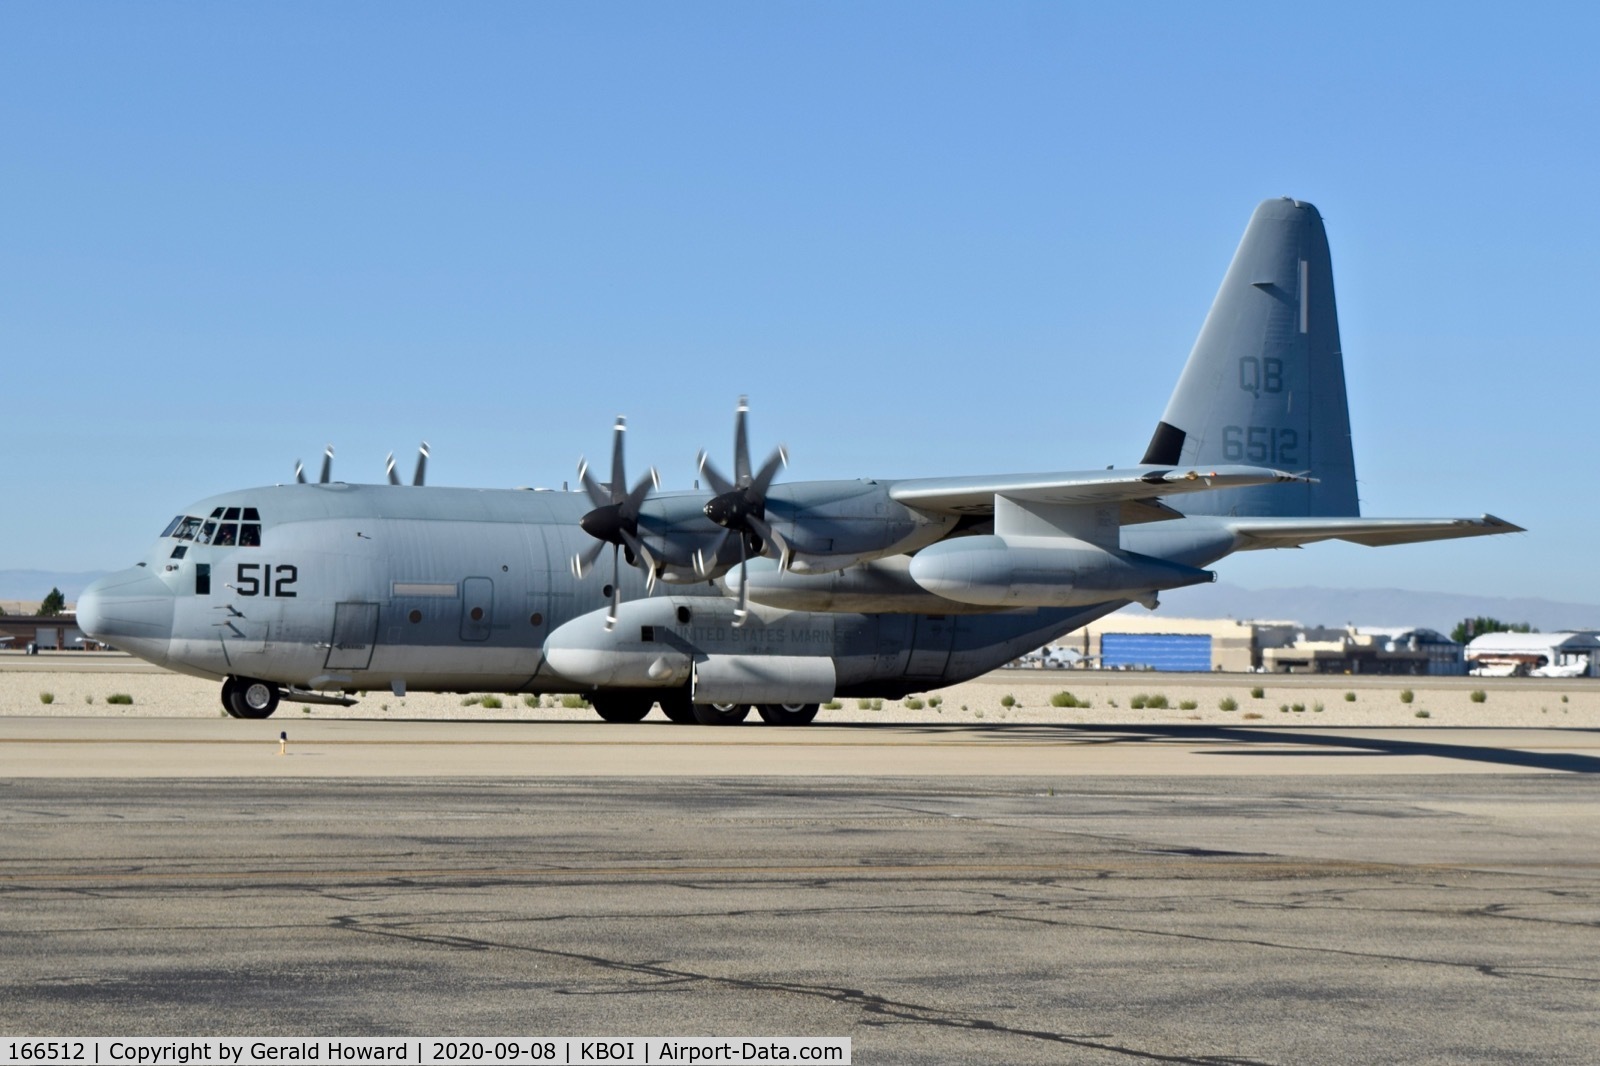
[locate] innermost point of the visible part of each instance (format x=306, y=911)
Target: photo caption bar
x=423, y=1051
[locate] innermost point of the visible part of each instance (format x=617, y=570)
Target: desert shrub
x=935, y=701
x=1187, y=705
x=1283, y=708
x=1251, y=714
x=1257, y=692
x=1349, y=697
x=1423, y=714
x=877, y=705
x=492, y=702
x=832, y=705
x=1406, y=695
x=1316, y=708
x=1158, y=702
x=863, y=705
x=88, y=699
x=530, y=701
x=1563, y=699
x=1478, y=695
x=121, y=698
x=573, y=702
x=1139, y=701
x=47, y=697
x=1298, y=708
x=1063, y=699
x=1228, y=703
x=914, y=704
x=1008, y=700
x=471, y=701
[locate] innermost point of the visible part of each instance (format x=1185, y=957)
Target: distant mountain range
x=31, y=586
x=1315, y=606
x=1308, y=605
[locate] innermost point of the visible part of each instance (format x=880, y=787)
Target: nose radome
x=130, y=610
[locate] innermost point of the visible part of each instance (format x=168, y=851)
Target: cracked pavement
x=1357, y=919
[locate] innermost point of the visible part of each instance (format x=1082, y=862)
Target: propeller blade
x=597, y=495
x=705, y=562
x=327, y=466
x=619, y=475
x=299, y=472
x=585, y=559
x=394, y=479
x=773, y=540
x=422, y=464
x=769, y=470
x=742, y=612
x=741, y=443
x=616, y=588
x=719, y=484
x=635, y=499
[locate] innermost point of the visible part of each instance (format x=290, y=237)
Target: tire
x=721, y=713
x=228, y=686
x=621, y=707
x=787, y=713
x=253, y=699
x=678, y=709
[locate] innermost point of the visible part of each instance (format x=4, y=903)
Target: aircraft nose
x=130, y=610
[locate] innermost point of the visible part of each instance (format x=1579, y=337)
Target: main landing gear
x=634, y=706
x=246, y=697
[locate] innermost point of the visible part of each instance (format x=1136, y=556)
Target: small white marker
x=283, y=743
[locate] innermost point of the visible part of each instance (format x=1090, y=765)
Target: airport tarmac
x=1008, y=892
x=940, y=886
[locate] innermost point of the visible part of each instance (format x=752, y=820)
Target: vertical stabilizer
x=1264, y=384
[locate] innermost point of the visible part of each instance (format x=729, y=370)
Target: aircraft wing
x=1375, y=532
x=1134, y=485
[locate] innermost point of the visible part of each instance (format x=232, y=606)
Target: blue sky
x=924, y=238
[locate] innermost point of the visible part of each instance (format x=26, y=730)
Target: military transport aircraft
x=757, y=593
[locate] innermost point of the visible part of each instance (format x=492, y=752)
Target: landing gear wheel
x=621, y=707
x=228, y=685
x=678, y=708
x=721, y=713
x=787, y=713
x=253, y=699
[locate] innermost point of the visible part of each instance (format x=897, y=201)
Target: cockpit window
x=223, y=528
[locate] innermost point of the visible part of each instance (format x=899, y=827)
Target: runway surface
x=1396, y=910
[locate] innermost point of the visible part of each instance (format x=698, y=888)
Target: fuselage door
x=477, y=608
x=355, y=630
x=930, y=650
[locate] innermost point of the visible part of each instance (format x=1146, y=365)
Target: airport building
x=1535, y=655
x=44, y=632
x=1150, y=642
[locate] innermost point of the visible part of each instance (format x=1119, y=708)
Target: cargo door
x=355, y=631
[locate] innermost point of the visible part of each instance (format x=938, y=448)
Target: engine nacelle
x=1013, y=571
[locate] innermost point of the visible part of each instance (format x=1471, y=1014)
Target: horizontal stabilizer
x=975, y=495
x=1374, y=532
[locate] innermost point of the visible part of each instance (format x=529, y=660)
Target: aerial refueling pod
x=677, y=642
x=1015, y=571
